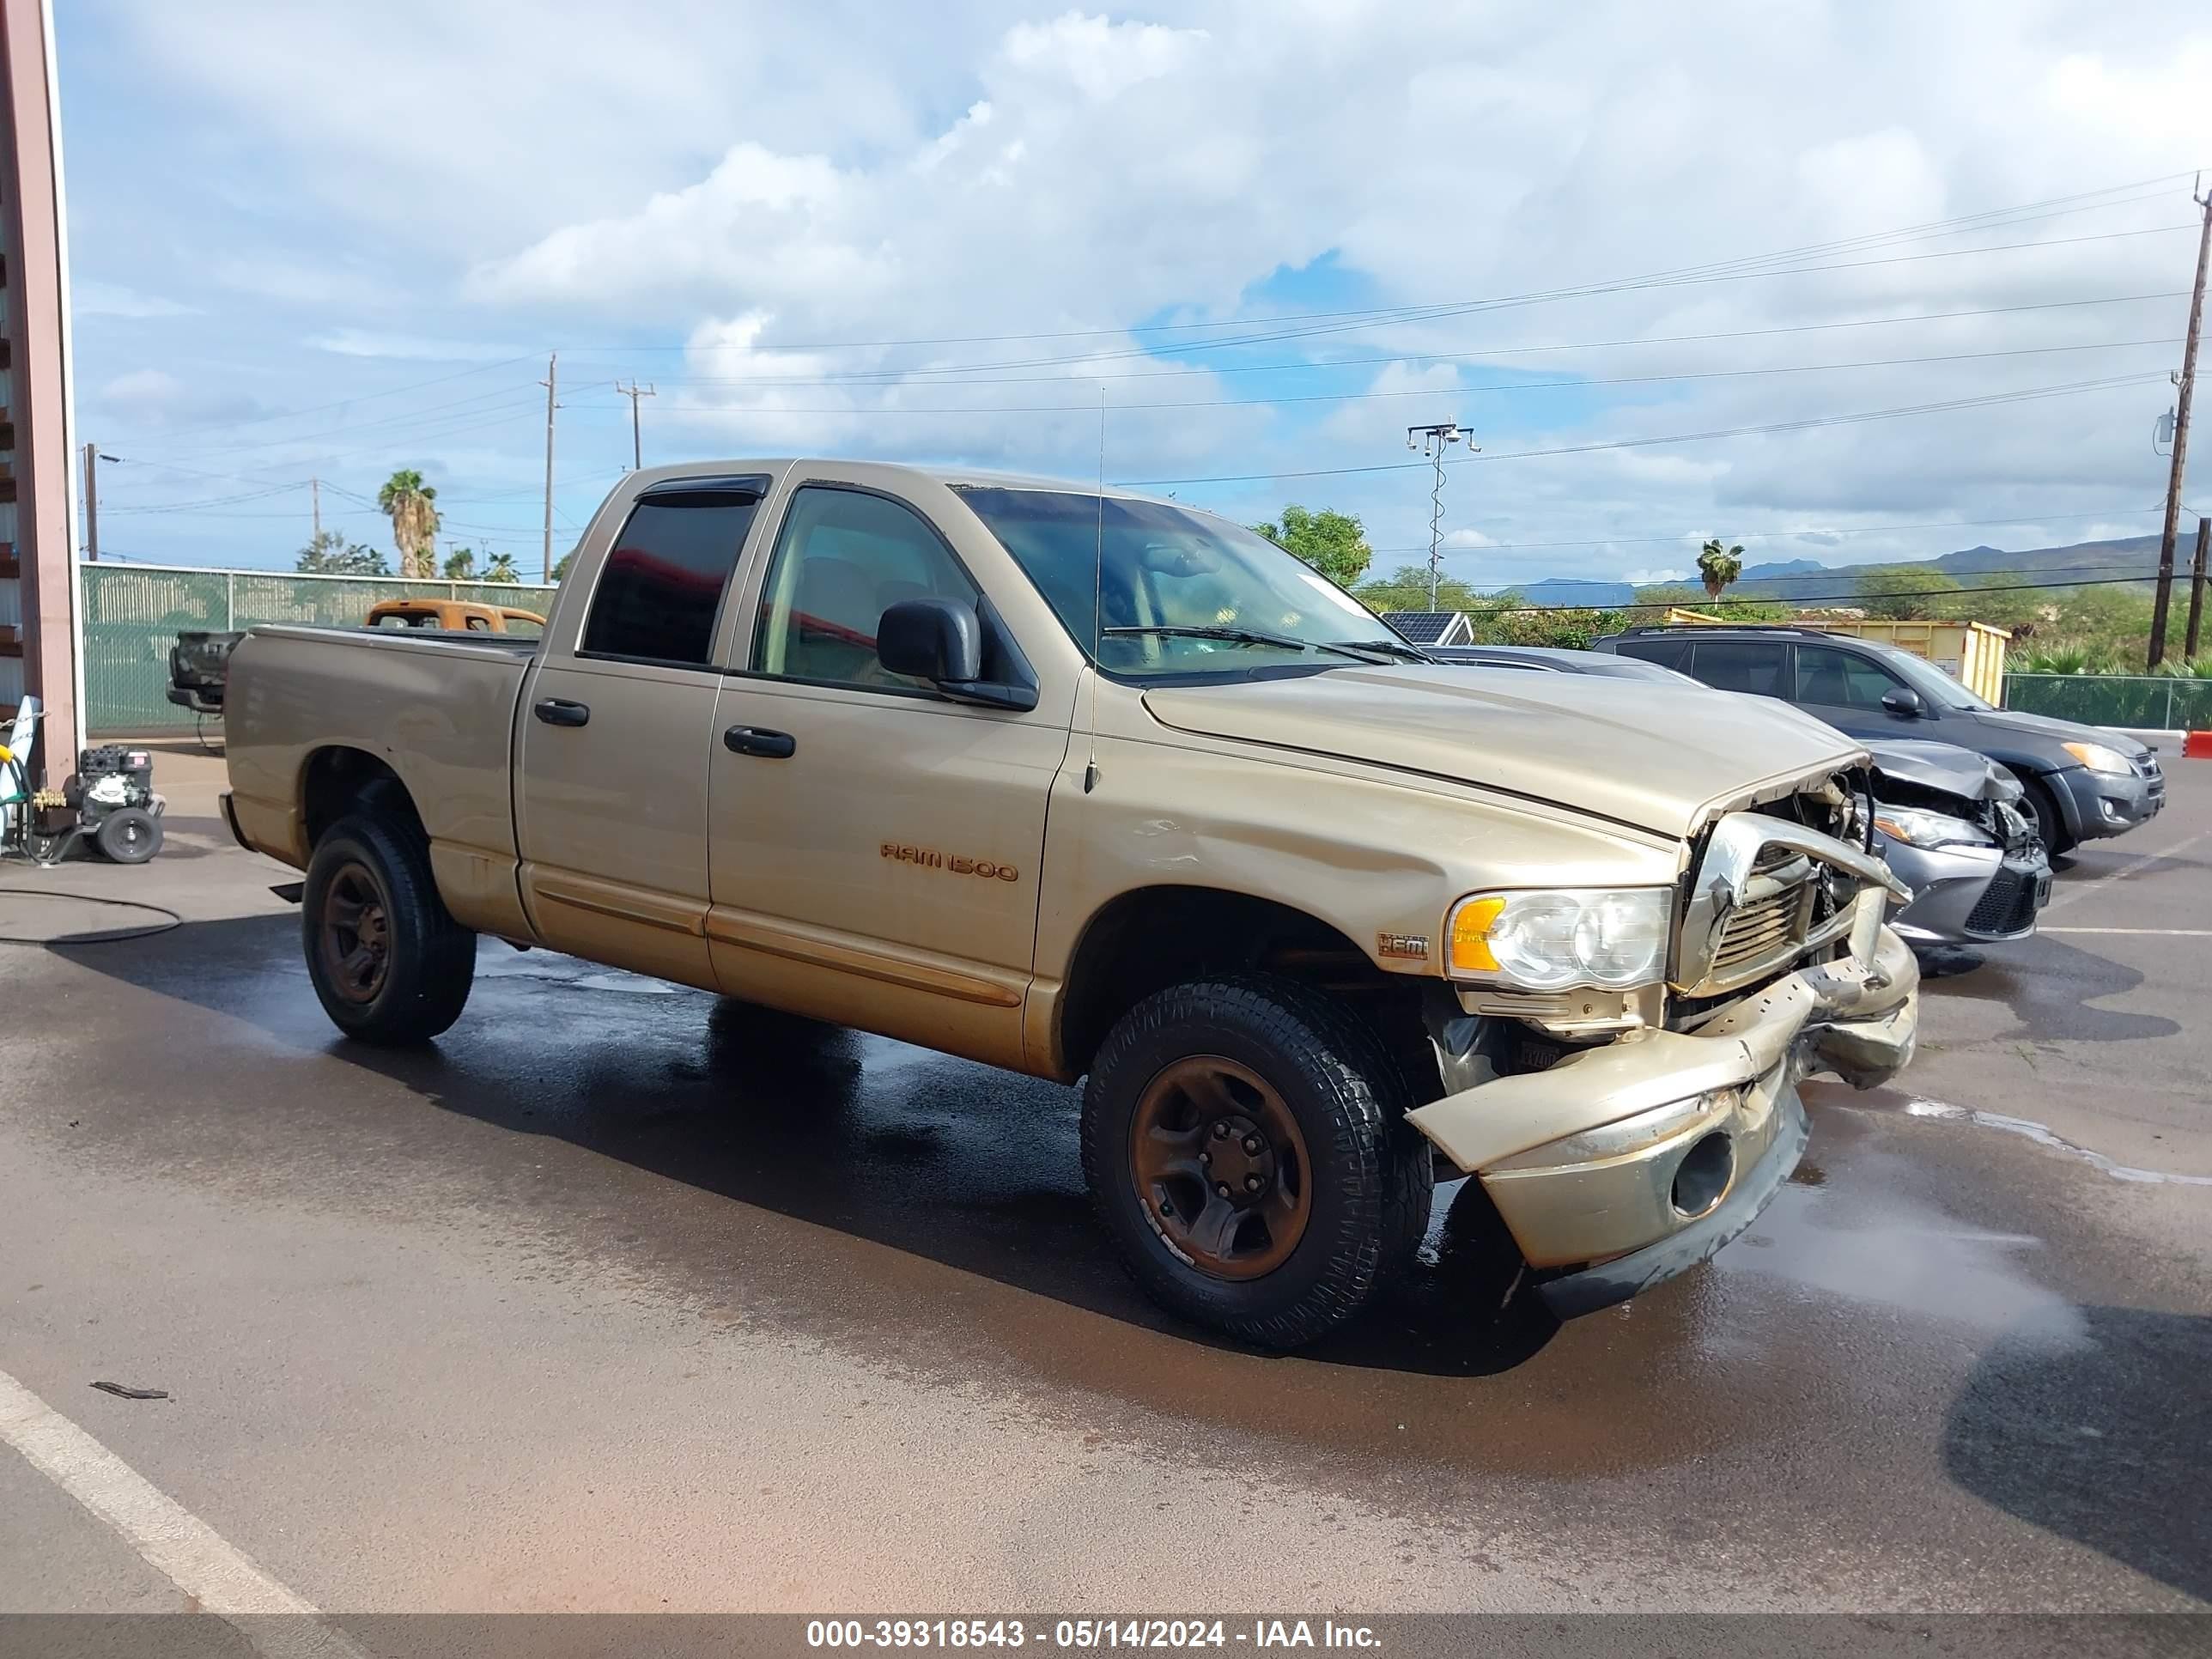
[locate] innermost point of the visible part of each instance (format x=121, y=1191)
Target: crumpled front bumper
x=1627, y=1163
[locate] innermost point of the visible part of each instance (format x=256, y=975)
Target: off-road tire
x=2048, y=823
x=430, y=959
x=1371, y=1172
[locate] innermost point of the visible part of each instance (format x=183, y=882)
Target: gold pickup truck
x=1103, y=788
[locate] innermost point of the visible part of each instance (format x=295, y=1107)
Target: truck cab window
x=663, y=580
x=844, y=558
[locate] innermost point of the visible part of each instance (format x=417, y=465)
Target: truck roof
x=951, y=477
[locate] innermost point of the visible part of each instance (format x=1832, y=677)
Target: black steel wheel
x=389, y=962
x=1245, y=1143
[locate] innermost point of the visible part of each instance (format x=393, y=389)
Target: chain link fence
x=133, y=614
x=2154, y=701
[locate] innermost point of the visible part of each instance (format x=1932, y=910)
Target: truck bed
x=447, y=700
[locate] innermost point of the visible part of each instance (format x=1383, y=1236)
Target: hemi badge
x=1414, y=945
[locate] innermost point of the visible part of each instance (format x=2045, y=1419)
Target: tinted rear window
x=1667, y=653
x=1752, y=666
x=662, y=585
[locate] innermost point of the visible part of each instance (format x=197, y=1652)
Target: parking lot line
x=2141, y=933
x=190, y=1553
x=2073, y=892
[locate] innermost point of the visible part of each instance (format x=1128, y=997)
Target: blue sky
x=330, y=242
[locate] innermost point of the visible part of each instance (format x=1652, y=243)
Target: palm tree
x=500, y=568
x=460, y=565
x=1719, y=566
x=410, y=504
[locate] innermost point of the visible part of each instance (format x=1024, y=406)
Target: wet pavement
x=625, y=1299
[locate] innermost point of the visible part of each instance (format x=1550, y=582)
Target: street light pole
x=1433, y=441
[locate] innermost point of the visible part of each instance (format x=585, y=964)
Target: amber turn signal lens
x=1470, y=936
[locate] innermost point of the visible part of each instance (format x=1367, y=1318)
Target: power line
x=1801, y=600
x=872, y=410
x=1594, y=290
x=1421, y=311
x=1484, y=355
x=1778, y=535
x=2023, y=396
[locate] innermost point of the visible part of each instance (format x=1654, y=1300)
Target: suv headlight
x=1917, y=827
x=1548, y=939
x=2101, y=757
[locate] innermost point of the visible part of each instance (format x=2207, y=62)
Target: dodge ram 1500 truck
x=1095, y=787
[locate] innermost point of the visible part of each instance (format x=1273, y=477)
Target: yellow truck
x=1109, y=790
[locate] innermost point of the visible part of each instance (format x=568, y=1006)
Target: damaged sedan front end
x=1625, y=1135
x=1955, y=828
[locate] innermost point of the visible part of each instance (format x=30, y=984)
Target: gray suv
x=2082, y=781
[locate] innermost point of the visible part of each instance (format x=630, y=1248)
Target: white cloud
x=370, y=343
x=92, y=297
x=754, y=188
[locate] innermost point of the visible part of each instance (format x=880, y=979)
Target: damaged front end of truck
x=1626, y=1136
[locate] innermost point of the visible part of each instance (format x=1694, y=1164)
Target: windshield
x=1183, y=592
x=1930, y=681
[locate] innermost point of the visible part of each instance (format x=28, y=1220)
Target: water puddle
x=2043, y=1135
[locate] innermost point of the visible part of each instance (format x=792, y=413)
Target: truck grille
x=1766, y=893
x=1765, y=926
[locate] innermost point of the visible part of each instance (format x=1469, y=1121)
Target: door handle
x=758, y=740
x=559, y=711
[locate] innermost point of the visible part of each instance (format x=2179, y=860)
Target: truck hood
x=1945, y=767
x=1639, y=752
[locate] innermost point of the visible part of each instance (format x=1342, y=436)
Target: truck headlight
x=2100, y=757
x=1548, y=939
x=1917, y=827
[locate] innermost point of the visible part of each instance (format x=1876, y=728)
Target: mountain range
x=1809, y=580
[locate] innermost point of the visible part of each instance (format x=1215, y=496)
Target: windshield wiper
x=1233, y=636
x=1397, y=648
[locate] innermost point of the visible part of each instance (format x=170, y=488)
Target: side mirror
x=941, y=641
x=1904, y=703
x=933, y=640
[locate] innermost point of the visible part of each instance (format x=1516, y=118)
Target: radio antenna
x=1097, y=598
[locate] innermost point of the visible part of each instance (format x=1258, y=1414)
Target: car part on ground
x=1954, y=827
x=2082, y=781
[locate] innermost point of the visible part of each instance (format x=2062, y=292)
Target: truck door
x=875, y=846
x=611, y=789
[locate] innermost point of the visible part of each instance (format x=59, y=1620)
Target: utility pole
x=315, y=496
x=2197, y=588
x=2187, y=396
x=634, y=392
x=552, y=359
x=92, y=503
x=1434, y=441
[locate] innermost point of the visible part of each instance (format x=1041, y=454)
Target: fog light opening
x=1704, y=1174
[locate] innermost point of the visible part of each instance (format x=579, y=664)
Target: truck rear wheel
x=1246, y=1146
x=388, y=961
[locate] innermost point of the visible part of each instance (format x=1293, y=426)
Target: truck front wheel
x=1246, y=1145
x=390, y=964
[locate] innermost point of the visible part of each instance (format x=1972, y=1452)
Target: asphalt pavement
x=623, y=1299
